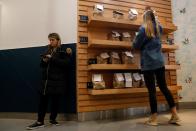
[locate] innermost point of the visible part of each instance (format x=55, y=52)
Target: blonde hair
x=148, y=20
x=55, y=36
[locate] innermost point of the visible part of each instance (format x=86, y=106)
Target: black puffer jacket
x=54, y=76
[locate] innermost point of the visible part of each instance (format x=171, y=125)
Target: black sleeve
x=61, y=59
x=43, y=64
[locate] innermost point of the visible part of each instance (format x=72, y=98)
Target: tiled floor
x=187, y=116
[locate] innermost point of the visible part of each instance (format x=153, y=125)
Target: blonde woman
x=53, y=63
x=148, y=41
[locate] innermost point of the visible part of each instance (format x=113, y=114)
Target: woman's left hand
x=69, y=51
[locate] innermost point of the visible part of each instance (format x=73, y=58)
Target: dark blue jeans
x=149, y=77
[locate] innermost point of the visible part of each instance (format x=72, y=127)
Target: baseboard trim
x=187, y=105
x=33, y=116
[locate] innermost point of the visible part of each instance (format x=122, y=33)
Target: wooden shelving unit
x=97, y=43
x=124, y=67
x=126, y=90
x=97, y=29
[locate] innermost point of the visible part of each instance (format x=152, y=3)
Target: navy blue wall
x=20, y=77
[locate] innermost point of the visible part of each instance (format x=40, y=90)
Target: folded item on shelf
x=126, y=36
x=136, y=80
x=118, y=14
x=114, y=35
x=133, y=14
x=142, y=83
x=128, y=80
x=114, y=58
x=118, y=81
x=98, y=82
x=127, y=57
x=103, y=58
x=98, y=9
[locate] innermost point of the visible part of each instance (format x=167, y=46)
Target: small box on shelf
x=118, y=80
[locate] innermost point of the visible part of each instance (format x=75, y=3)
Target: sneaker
x=174, y=119
x=54, y=122
x=35, y=125
x=152, y=121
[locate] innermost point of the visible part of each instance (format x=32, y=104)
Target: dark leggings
x=44, y=99
x=149, y=77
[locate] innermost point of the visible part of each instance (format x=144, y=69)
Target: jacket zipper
x=46, y=82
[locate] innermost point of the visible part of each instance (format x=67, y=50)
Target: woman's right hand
x=45, y=59
x=48, y=56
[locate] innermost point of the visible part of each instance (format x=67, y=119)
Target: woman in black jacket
x=54, y=63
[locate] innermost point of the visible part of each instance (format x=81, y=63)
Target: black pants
x=149, y=77
x=44, y=99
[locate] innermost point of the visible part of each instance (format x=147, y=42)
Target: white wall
x=26, y=23
x=186, y=54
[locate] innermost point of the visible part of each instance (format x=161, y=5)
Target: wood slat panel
x=85, y=91
x=82, y=62
x=82, y=68
x=132, y=3
x=117, y=96
x=82, y=73
x=86, y=102
x=173, y=73
x=125, y=7
x=118, y=101
x=82, y=29
x=120, y=106
x=82, y=46
x=82, y=57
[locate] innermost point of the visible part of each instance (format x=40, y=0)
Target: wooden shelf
x=125, y=67
x=166, y=47
x=113, y=67
x=114, y=23
x=127, y=90
x=98, y=21
x=96, y=43
x=172, y=67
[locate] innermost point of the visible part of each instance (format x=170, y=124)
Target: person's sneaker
x=152, y=121
x=35, y=125
x=54, y=122
x=174, y=119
